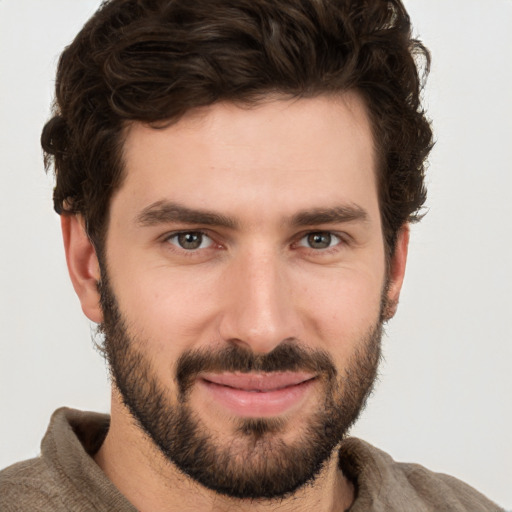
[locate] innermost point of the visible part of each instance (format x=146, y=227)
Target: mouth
x=259, y=395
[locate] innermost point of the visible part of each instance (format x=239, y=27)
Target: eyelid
x=168, y=237
x=343, y=241
x=342, y=236
x=176, y=232
x=333, y=238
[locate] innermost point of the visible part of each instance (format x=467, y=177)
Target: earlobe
x=83, y=265
x=396, y=274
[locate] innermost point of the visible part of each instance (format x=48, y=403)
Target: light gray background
x=443, y=399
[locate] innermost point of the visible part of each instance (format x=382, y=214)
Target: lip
x=257, y=394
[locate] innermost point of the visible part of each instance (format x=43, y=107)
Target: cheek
x=342, y=308
x=171, y=308
x=176, y=309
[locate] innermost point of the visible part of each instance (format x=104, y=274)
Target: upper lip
x=258, y=381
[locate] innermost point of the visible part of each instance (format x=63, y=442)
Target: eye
x=190, y=240
x=320, y=240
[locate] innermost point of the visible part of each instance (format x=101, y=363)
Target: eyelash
x=188, y=252
x=341, y=241
x=331, y=235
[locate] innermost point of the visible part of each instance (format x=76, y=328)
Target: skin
x=255, y=282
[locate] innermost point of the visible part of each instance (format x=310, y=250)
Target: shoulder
x=29, y=485
x=65, y=477
x=445, y=490
x=404, y=486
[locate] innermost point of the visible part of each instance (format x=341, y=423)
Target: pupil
x=319, y=240
x=190, y=240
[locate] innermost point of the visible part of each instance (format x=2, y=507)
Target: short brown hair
x=154, y=60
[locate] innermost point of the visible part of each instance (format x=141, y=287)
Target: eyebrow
x=335, y=215
x=162, y=212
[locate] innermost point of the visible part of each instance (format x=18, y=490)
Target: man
x=235, y=185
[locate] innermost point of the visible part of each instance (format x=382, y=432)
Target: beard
x=255, y=462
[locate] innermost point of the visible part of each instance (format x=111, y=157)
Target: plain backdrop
x=444, y=393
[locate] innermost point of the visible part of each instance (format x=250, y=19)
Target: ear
x=396, y=272
x=83, y=265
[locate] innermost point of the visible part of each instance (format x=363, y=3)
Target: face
x=243, y=286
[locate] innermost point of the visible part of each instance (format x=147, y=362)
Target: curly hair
x=154, y=60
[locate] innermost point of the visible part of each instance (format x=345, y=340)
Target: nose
x=259, y=312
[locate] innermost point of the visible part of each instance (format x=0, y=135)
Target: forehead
x=279, y=152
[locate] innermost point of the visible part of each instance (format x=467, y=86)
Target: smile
x=257, y=395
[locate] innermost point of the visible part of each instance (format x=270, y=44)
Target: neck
x=152, y=483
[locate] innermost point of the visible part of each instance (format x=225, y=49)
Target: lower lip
x=257, y=404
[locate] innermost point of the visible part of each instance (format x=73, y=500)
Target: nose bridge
x=260, y=314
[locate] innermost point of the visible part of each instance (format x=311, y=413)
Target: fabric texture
x=66, y=478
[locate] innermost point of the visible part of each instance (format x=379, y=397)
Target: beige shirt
x=66, y=478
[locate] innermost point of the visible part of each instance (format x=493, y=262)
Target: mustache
x=288, y=356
